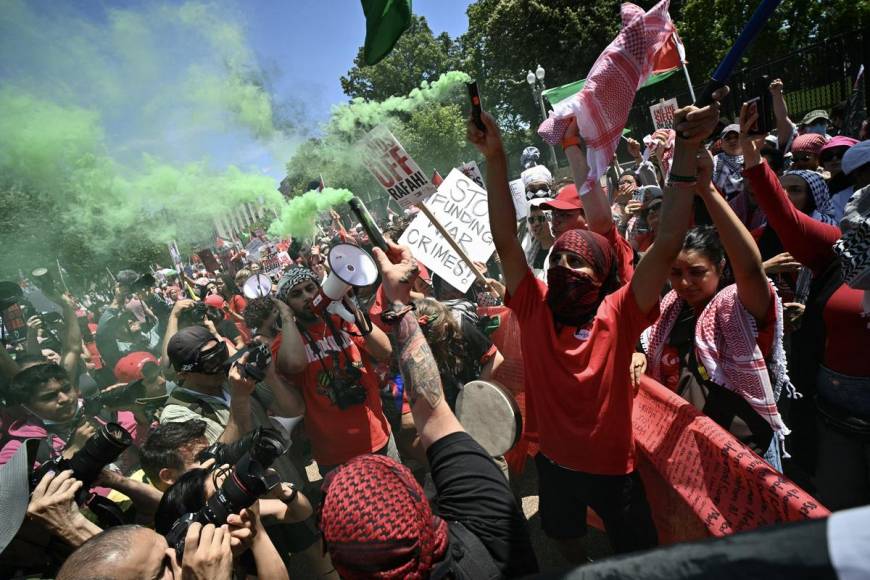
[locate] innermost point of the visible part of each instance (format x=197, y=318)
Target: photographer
x=322, y=358
x=119, y=333
x=374, y=506
x=137, y=552
x=38, y=533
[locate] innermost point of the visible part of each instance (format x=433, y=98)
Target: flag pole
x=681, y=50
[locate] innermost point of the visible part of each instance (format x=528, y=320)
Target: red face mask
x=573, y=296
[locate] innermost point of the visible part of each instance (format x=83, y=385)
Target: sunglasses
x=538, y=219
x=211, y=361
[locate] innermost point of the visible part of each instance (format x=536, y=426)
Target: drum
x=489, y=413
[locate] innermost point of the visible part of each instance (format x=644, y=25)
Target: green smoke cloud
x=298, y=216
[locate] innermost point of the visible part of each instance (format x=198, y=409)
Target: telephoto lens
x=249, y=480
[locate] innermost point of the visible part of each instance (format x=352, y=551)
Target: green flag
x=386, y=20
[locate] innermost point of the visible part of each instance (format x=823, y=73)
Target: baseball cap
x=838, y=141
x=215, y=301
x=813, y=115
x=130, y=367
x=567, y=200
x=185, y=345
x=857, y=156
x=732, y=128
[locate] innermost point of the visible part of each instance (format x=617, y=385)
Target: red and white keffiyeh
x=602, y=107
x=726, y=346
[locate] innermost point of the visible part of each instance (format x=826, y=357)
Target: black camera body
x=249, y=480
x=345, y=389
x=194, y=315
x=259, y=359
x=103, y=448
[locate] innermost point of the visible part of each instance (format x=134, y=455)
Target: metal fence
x=815, y=77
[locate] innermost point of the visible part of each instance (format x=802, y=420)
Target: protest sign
x=470, y=169
x=518, y=193
x=269, y=260
x=663, y=114
x=393, y=168
x=460, y=205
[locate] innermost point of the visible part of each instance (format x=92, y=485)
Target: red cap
x=810, y=143
x=567, y=200
x=215, y=301
x=129, y=368
x=838, y=141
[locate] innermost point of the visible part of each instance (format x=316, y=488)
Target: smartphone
x=475, y=105
x=637, y=195
x=368, y=223
x=764, y=104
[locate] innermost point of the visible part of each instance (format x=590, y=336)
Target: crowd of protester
x=168, y=425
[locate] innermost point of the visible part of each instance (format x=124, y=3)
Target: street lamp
x=535, y=79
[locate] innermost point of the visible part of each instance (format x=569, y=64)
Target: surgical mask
x=820, y=128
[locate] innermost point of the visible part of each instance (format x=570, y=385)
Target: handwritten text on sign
x=460, y=205
x=663, y=114
x=394, y=169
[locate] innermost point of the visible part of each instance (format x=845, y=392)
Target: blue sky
x=149, y=70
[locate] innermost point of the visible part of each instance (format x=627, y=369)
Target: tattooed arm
x=432, y=416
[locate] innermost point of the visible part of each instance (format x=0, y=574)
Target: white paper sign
x=663, y=114
x=394, y=169
x=518, y=193
x=460, y=205
x=471, y=170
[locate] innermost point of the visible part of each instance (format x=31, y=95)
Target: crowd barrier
x=700, y=481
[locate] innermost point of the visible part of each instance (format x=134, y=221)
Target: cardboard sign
x=663, y=114
x=393, y=168
x=518, y=192
x=460, y=205
x=269, y=261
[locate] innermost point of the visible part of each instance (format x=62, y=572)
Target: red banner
x=700, y=481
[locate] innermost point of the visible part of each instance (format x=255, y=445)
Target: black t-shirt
x=475, y=344
x=540, y=258
x=227, y=329
x=473, y=491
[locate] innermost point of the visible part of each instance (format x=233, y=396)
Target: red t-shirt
x=338, y=435
x=578, y=385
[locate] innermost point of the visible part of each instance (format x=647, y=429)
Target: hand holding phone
x=475, y=106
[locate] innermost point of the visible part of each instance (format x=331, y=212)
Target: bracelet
x=683, y=184
x=570, y=142
x=392, y=316
x=682, y=178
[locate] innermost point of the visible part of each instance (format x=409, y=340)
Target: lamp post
x=536, y=83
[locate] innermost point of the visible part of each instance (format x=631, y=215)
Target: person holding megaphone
x=321, y=356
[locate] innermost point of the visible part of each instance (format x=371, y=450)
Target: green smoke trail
x=298, y=216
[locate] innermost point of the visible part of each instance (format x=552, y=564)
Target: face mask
x=820, y=128
x=573, y=296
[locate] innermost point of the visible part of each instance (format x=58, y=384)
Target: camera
x=194, y=315
x=345, y=389
x=249, y=479
x=259, y=359
x=103, y=448
x=232, y=453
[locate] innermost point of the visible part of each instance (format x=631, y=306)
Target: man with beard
x=322, y=358
x=578, y=333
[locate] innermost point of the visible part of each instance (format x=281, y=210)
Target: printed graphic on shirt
x=326, y=346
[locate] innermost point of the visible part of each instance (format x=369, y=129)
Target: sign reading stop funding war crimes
x=394, y=169
x=460, y=205
x=663, y=114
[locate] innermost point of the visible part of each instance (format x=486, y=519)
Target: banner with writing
x=393, y=168
x=518, y=193
x=699, y=480
x=663, y=114
x=460, y=205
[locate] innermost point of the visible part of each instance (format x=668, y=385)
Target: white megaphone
x=348, y=266
x=257, y=286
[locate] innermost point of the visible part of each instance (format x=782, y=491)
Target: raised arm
x=72, y=339
x=693, y=126
x=502, y=215
x=809, y=241
x=596, y=206
x=432, y=415
x=752, y=285
x=784, y=125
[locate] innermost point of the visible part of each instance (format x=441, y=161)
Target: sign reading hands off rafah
x=393, y=168
x=460, y=205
